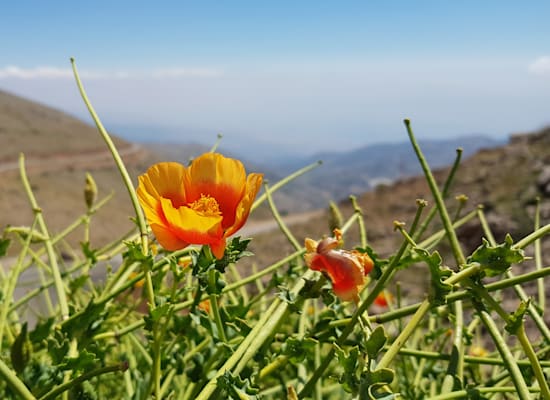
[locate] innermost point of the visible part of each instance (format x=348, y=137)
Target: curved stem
x=62, y=297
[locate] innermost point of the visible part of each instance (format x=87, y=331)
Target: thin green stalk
x=432, y=355
x=538, y=263
x=360, y=222
x=535, y=363
x=454, y=296
x=118, y=161
x=462, y=394
x=263, y=197
x=216, y=143
x=444, y=193
x=506, y=354
x=14, y=382
x=12, y=283
x=417, y=317
x=52, y=394
x=273, y=366
x=59, y=287
x=264, y=328
x=533, y=237
x=210, y=387
x=438, y=198
x=216, y=312
x=280, y=222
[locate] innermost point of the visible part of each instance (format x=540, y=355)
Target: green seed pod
x=90, y=191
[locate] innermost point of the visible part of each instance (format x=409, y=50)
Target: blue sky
x=286, y=76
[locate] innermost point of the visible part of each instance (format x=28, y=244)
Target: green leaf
x=353, y=366
x=42, y=330
x=85, y=361
x=87, y=320
x=438, y=289
x=516, y=318
x=496, y=260
x=376, y=342
x=88, y=252
x=297, y=349
x=235, y=388
x=372, y=381
x=4, y=244
x=21, y=350
x=234, y=251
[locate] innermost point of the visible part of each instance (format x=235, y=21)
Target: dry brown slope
x=506, y=180
x=59, y=150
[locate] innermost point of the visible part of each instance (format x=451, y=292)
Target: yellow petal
x=168, y=238
x=190, y=226
x=253, y=184
x=164, y=180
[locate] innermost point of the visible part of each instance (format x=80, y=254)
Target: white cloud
x=184, y=72
x=541, y=66
x=47, y=72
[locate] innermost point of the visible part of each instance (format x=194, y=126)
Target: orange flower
x=346, y=269
x=202, y=204
x=383, y=299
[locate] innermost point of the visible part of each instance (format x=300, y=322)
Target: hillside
x=59, y=150
x=505, y=180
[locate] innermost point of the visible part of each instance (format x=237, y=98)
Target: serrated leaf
x=42, y=330
x=297, y=349
x=353, y=366
x=496, y=260
x=92, y=315
x=376, y=342
x=235, y=388
x=438, y=289
x=85, y=361
x=516, y=318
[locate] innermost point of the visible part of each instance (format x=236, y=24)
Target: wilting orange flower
x=383, y=299
x=346, y=269
x=202, y=204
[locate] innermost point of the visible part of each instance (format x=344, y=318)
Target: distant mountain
x=357, y=171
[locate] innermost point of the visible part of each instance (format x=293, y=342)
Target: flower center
x=206, y=206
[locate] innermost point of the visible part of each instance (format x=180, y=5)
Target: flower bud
x=90, y=191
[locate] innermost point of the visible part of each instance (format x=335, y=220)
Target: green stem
x=538, y=262
x=260, y=199
x=506, y=354
x=533, y=237
x=417, y=317
x=445, y=219
x=14, y=382
x=213, y=298
x=118, y=160
x=360, y=222
x=280, y=222
x=12, y=283
x=432, y=355
x=82, y=378
x=462, y=394
x=459, y=295
x=264, y=328
x=444, y=193
x=62, y=298
x=535, y=364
